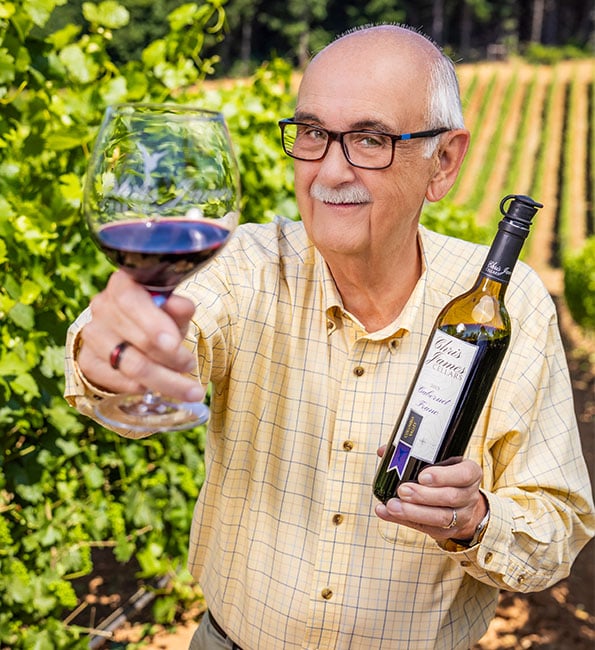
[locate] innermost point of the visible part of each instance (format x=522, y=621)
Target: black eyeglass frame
x=338, y=136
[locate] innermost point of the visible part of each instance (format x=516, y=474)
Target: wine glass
x=161, y=198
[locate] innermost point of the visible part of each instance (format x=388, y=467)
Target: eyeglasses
x=365, y=149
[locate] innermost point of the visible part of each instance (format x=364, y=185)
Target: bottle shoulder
x=482, y=305
x=453, y=266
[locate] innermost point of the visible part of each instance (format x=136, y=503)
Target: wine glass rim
x=166, y=108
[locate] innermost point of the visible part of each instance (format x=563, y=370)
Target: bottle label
x=434, y=397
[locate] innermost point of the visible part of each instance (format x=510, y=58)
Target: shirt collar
x=401, y=326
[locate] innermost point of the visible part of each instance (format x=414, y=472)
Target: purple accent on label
x=400, y=458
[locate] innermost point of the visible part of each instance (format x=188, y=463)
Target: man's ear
x=448, y=159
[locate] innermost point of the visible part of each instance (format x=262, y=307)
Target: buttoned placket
x=351, y=462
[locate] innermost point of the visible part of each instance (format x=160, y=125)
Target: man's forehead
x=353, y=104
x=346, y=70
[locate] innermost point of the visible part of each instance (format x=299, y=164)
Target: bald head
x=385, y=39
x=399, y=56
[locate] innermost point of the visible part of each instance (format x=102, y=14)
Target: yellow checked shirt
x=285, y=542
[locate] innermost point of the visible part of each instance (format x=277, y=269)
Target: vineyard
x=86, y=517
x=533, y=132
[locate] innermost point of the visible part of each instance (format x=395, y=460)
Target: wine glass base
x=136, y=414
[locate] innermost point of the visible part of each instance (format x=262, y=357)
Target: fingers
x=180, y=310
x=155, y=357
x=126, y=311
x=137, y=372
x=440, y=523
x=429, y=505
x=444, y=485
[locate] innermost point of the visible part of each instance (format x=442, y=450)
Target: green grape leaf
x=26, y=386
x=108, y=14
x=22, y=315
x=7, y=66
x=80, y=65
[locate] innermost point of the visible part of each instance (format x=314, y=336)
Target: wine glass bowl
x=161, y=199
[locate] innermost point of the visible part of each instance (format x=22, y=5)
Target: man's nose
x=335, y=166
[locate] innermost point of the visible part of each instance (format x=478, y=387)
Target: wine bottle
x=465, y=349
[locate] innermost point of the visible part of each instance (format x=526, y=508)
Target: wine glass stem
x=159, y=297
x=150, y=399
x=152, y=402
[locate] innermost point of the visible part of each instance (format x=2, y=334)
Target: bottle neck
x=503, y=254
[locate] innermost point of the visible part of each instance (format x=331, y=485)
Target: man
x=310, y=333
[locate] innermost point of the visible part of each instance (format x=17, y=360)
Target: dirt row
x=555, y=161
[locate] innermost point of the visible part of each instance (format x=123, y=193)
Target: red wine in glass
x=161, y=199
x=159, y=254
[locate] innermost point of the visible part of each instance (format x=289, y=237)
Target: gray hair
x=444, y=100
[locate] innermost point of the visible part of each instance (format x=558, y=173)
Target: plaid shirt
x=285, y=542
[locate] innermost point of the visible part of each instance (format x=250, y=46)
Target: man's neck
x=376, y=291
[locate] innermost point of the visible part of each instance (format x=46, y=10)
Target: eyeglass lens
x=361, y=148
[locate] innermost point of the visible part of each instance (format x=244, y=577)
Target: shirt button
x=337, y=519
x=521, y=578
x=465, y=563
x=395, y=343
x=348, y=445
x=358, y=371
x=329, y=324
x=327, y=593
x=488, y=558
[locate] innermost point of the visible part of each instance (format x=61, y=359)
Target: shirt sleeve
x=535, y=476
x=78, y=390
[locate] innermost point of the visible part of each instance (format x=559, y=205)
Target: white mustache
x=349, y=194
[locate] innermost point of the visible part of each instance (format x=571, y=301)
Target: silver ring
x=453, y=521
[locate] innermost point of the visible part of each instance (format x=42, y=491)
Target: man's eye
x=312, y=133
x=370, y=140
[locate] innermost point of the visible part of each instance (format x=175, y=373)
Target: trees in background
x=296, y=28
x=293, y=29
x=68, y=487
